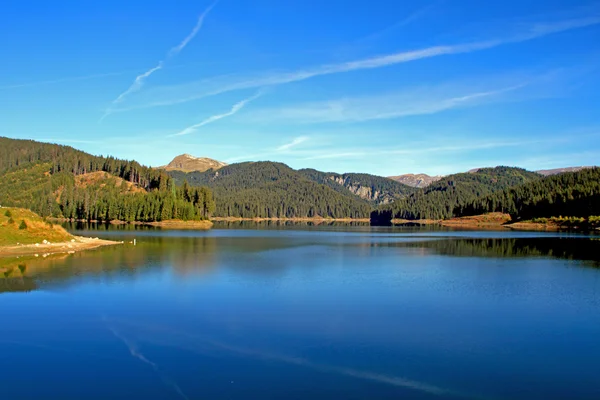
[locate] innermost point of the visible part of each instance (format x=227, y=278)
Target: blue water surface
x=305, y=313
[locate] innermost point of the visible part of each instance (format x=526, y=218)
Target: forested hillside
x=440, y=199
x=574, y=194
x=273, y=190
x=60, y=181
x=375, y=189
x=53, y=180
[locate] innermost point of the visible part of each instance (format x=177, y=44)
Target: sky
x=384, y=87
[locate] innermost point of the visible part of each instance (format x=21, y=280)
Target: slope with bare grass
x=24, y=232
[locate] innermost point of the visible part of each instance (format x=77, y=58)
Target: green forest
x=273, y=190
x=46, y=179
x=60, y=181
x=575, y=194
x=441, y=199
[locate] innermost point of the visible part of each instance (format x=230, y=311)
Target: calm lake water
x=305, y=313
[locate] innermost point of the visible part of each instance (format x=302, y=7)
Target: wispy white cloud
x=288, y=148
x=412, y=102
x=175, y=94
x=236, y=108
x=461, y=148
x=139, y=80
x=295, y=142
x=417, y=149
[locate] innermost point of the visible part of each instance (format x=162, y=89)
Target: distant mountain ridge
x=424, y=180
x=556, y=171
x=416, y=180
x=189, y=163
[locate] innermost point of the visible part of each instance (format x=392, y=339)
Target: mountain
x=188, y=163
x=273, y=190
x=416, y=180
x=60, y=181
x=556, y=171
x=440, y=199
x=375, y=189
x=424, y=180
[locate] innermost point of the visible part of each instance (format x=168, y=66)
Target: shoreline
x=77, y=243
x=167, y=224
x=498, y=222
x=312, y=219
x=492, y=221
x=177, y=224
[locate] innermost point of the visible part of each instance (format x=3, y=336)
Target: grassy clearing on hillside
x=103, y=179
x=18, y=225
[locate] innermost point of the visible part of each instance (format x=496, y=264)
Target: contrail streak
x=175, y=50
x=138, y=83
x=182, y=93
x=236, y=107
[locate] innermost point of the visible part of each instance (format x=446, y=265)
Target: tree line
x=273, y=190
x=575, y=194
x=441, y=199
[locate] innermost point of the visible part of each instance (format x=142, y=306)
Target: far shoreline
x=167, y=224
x=498, y=222
x=300, y=219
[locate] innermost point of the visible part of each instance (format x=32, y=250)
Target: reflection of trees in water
x=195, y=255
x=183, y=255
x=198, y=255
x=584, y=249
x=17, y=284
x=103, y=227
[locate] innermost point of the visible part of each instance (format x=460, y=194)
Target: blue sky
x=384, y=87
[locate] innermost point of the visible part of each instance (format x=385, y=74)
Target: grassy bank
x=24, y=232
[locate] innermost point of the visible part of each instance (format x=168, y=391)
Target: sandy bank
x=77, y=243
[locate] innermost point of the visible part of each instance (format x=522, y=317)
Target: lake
x=302, y=312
